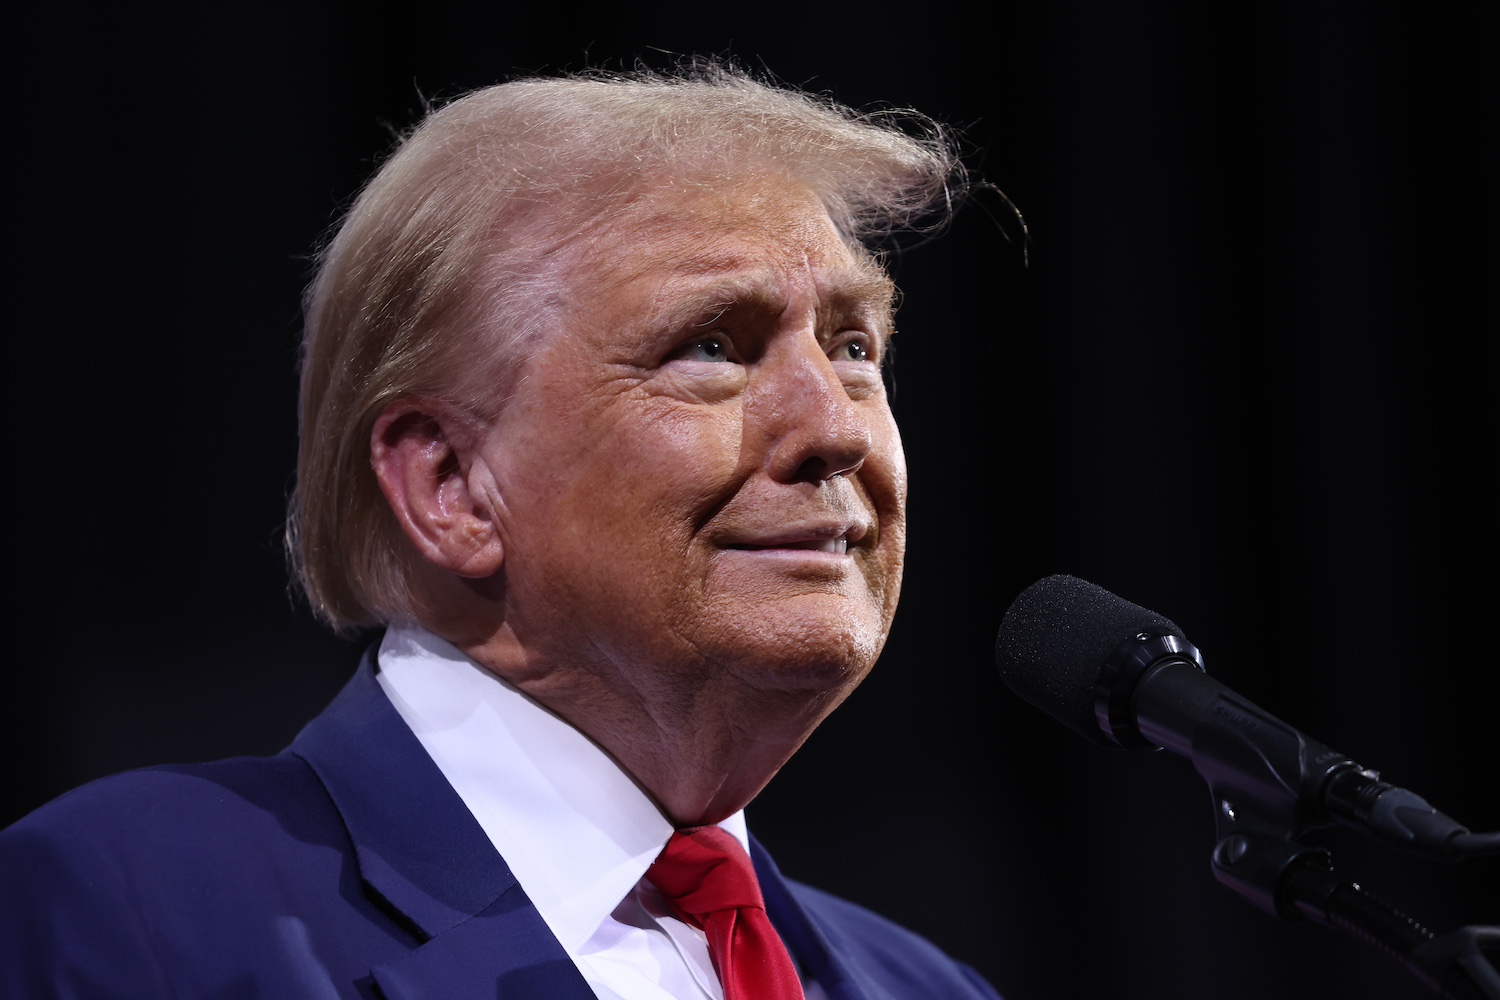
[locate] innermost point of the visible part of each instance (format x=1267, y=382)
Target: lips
x=831, y=538
x=837, y=546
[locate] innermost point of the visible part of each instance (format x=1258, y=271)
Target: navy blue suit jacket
x=345, y=866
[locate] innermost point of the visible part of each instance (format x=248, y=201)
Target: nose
x=813, y=430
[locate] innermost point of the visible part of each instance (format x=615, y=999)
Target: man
x=594, y=424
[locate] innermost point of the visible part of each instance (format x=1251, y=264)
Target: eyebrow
x=860, y=290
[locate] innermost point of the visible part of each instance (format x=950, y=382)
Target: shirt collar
x=575, y=829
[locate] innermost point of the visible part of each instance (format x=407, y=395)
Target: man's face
x=698, y=474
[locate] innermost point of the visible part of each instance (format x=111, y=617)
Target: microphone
x=1123, y=676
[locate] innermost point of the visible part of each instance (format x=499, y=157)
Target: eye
x=852, y=350
x=704, y=349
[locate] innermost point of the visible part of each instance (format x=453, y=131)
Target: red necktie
x=708, y=880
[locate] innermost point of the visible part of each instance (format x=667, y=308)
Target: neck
x=700, y=742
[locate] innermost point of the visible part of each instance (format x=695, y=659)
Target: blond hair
x=439, y=273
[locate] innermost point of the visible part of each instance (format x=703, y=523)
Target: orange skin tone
x=684, y=531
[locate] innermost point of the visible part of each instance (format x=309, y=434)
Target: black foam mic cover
x=1055, y=639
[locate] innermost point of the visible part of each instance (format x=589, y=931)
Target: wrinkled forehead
x=755, y=237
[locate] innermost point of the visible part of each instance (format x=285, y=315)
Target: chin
x=812, y=653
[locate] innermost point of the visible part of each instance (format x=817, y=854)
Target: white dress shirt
x=576, y=830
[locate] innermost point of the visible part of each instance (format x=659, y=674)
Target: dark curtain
x=1241, y=371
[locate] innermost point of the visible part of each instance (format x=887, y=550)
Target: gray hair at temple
x=449, y=262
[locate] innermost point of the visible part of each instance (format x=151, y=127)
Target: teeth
x=838, y=546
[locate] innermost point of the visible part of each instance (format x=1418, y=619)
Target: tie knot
x=707, y=878
x=704, y=870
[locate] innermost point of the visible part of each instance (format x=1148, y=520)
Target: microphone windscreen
x=1055, y=639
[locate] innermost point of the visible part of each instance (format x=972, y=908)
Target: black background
x=1246, y=380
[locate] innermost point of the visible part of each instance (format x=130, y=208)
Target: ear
x=422, y=451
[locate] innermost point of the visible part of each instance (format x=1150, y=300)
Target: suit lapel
x=504, y=952
x=807, y=940
x=420, y=851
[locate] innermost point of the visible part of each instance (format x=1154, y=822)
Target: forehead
x=759, y=238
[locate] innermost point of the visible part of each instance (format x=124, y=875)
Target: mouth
x=838, y=546
x=832, y=539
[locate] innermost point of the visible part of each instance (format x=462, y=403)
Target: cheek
x=885, y=473
x=896, y=458
x=681, y=445
x=887, y=486
x=653, y=474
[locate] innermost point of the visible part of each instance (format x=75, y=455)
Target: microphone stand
x=1294, y=881
x=1258, y=856
x=1270, y=783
